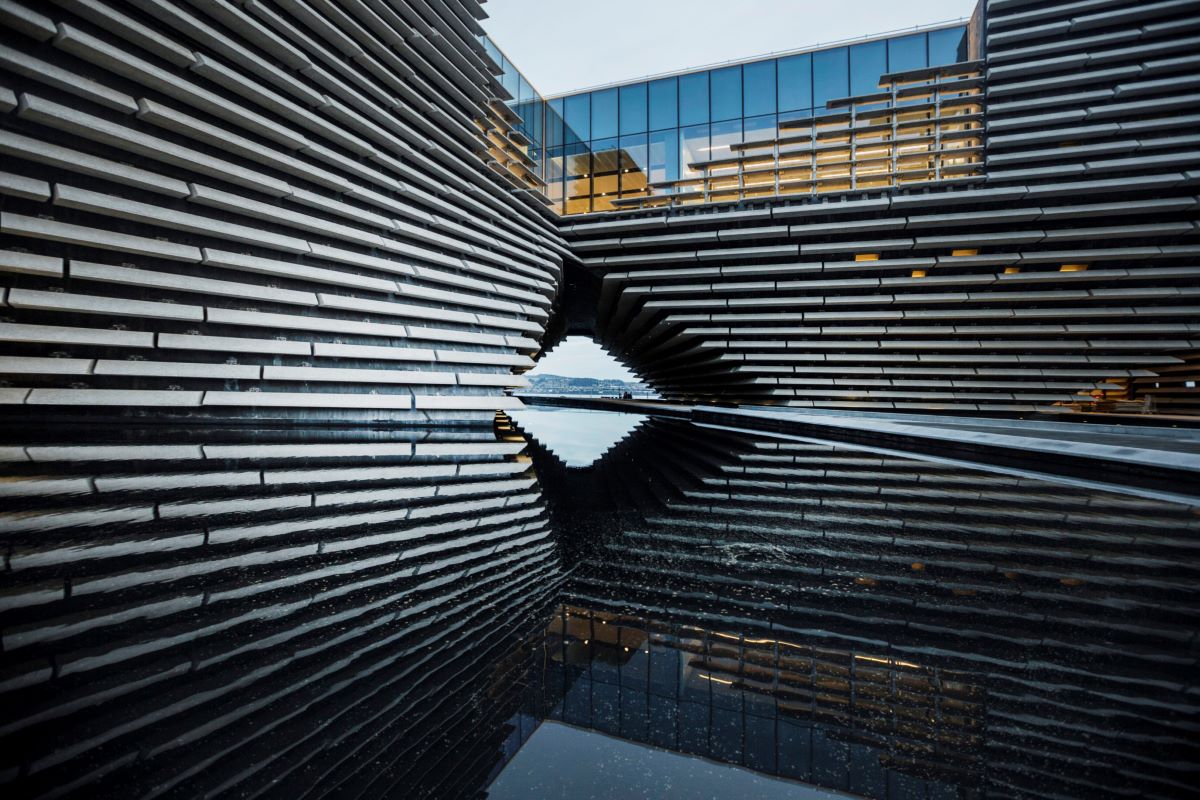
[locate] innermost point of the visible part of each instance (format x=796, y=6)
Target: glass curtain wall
x=595, y=147
x=652, y=132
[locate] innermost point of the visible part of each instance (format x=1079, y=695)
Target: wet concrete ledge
x=1162, y=459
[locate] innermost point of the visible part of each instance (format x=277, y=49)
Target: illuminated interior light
x=1011, y=270
x=866, y=257
x=715, y=680
x=968, y=252
x=918, y=273
x=1073, y=268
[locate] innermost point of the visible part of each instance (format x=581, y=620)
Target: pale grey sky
x=562, y=45
x=577, y=357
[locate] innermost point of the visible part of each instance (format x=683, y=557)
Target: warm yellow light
x=866, y=257
x=964, y=253
x=1073, y=268
x=715, y=680
x=1011, y=270
x=918, y=273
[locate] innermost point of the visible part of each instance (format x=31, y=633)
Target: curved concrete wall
x=1069, y=267
x=236, y=209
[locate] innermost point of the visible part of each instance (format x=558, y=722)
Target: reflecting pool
x=582, y=605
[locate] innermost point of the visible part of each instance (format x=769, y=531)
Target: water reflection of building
x=878, y=624
x=192, y=612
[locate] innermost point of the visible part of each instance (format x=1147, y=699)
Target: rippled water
x=667, y=610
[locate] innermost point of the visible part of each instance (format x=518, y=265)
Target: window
x=795, y=83
x=758, y=129
x=664, y=97
x=578, y=117
x=604, y=114
x=634, y=163
x=693, y=146
x=633, y=109
x=726, y=93
x=830, y=76
x=554, y=123
x=907, y=52
x=867, y=62
x=664, y=156
x=693, y=98
x=724, y=134
x=578, y=177
x=947, y=46
x=758, y=88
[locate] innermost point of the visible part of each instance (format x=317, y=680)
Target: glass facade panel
x=664, y=156
x=578, y=118
x=696, y=117
x=948, y=46
x=634, y=163
x=633, y=108
x=604, y=113
x=605, y=173
x=795, y=83
x=554, y=178
x=664, y=99
x=726, y=93
x=554, y=123
x=693, y=146
x=693, y=98
x=831, y=76
x=907, y=52
x=758, y=129
x=758, y=88
x=510, y=79
x=867, y=62
x=722, y=135
x=578, y=178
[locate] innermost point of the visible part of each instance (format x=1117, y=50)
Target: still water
x=582, y=605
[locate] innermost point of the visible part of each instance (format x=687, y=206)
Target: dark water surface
x=613, y=607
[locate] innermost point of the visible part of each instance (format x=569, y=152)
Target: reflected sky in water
x=581, y=605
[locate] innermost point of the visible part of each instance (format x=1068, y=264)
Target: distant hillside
x=562, y=384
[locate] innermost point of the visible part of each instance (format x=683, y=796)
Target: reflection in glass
x=634, y=164
x=795, y=83
x=795, y=86
x=758, y=88
x=554, y=124
x=633, y=108
x=605, y=173
x=867, y=62
x=907, y=52
x=693, y=147
x=693, y=98
x=722, y=135
x=664, y=112
x=604, y=113
x=726, y=87
x=578, y=178
x=664, y=156
x=578, y=117
x=831, y=75
x=948, y=46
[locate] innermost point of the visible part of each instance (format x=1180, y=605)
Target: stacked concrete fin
x=1068, y=269
x=865, y=620
x=244, y=209
x=314, y=617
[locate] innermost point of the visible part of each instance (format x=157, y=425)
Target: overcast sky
x=561, y=45
x=577, y=357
